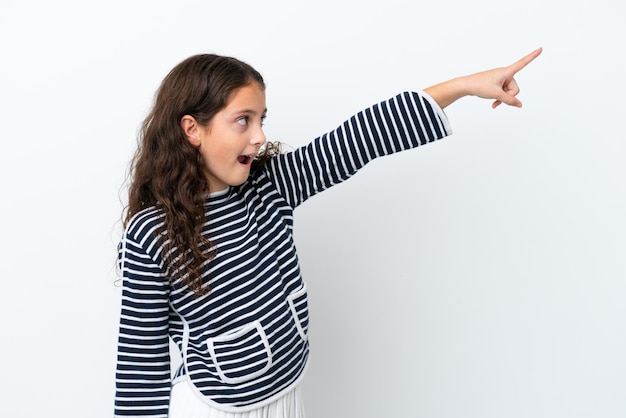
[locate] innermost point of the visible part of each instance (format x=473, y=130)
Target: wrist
x=461, y=87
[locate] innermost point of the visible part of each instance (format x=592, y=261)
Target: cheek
x=216, y=156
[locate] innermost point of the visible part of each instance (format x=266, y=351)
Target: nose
x=258, y=139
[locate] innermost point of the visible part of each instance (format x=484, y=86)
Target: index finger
x=518, y=65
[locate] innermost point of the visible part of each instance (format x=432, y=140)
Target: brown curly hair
x=168, y=172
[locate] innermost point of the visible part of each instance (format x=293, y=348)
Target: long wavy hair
x=168, y=172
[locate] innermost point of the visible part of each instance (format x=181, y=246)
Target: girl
x=208, y=257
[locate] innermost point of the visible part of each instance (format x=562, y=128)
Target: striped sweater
x=244, y=344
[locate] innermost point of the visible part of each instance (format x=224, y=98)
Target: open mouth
x=244, y=159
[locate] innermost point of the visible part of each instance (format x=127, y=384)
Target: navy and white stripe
x=245, y=343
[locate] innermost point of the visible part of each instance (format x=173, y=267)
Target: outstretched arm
x=498, y=84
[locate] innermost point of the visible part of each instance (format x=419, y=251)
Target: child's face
x=233, y=137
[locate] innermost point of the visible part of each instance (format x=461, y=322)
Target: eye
x=243, y=121
x=263, y=121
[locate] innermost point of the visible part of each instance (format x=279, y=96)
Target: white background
x=480, y=276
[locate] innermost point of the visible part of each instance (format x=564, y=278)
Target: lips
x=244, y=159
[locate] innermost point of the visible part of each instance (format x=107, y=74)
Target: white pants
x=184, y=403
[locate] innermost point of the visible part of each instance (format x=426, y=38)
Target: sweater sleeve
x=143, y=362
x=405, y=121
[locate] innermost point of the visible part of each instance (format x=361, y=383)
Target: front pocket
x=300, y=310
x=241, y=356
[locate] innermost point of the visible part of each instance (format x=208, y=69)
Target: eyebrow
x=250, y=112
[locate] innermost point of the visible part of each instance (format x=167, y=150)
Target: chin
x=238, y=182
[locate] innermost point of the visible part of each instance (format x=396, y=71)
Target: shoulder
x=145, y=224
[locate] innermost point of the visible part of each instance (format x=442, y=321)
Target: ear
x=192, y=130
